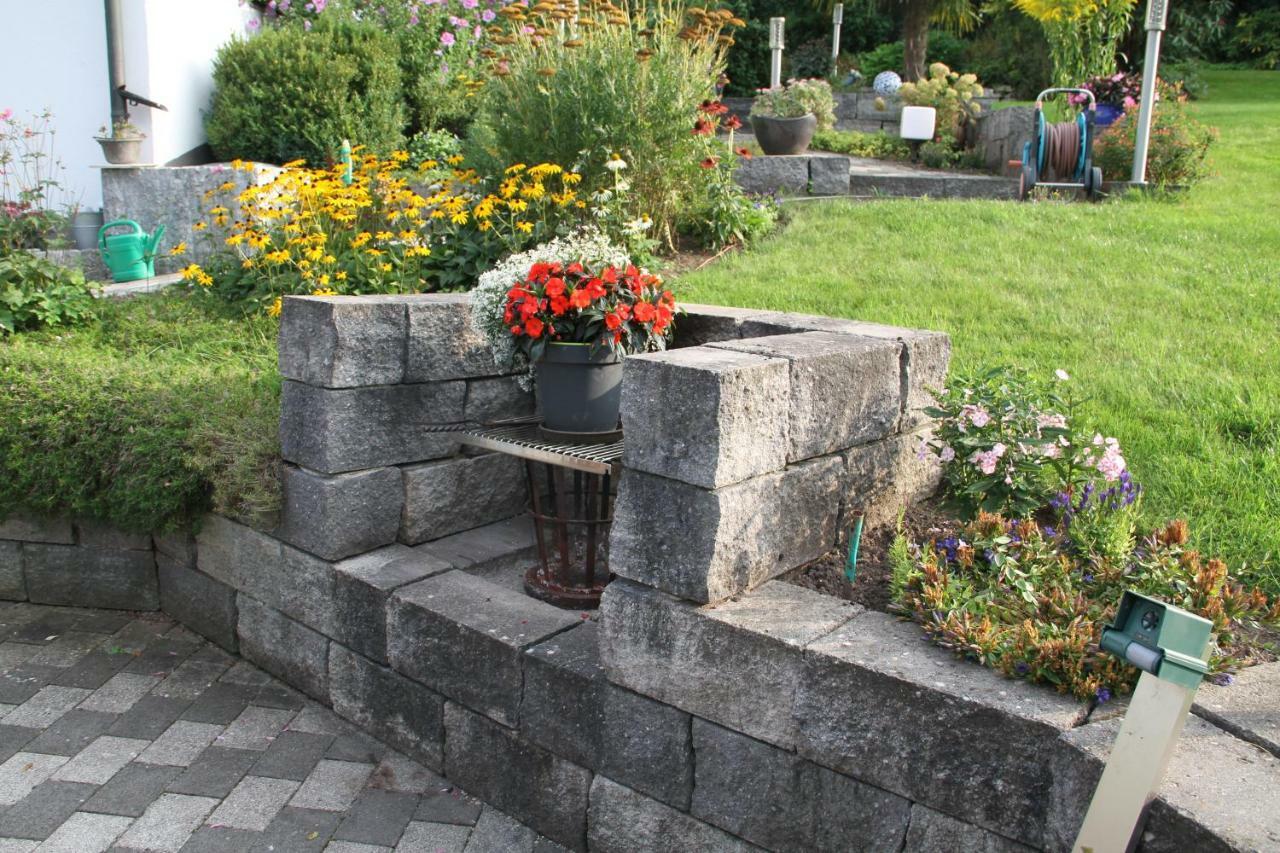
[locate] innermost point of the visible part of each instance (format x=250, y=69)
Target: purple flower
x=1104, y=695
x=252, y=24
x=487, y=15
x=1021, y=668
x=1049, y=532
x=1222, y=679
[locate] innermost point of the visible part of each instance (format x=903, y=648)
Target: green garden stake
x=345, y=153
x=855, y=539
x=1169, y=645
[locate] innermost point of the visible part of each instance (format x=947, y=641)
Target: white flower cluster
x=587, y=246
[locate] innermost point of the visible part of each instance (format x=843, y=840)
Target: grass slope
x=1167, y=313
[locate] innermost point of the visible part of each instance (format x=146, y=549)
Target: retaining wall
x=706, y=706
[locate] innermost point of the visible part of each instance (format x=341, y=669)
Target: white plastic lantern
x=917, y=123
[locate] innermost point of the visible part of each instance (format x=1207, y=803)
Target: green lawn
x=1166, y=313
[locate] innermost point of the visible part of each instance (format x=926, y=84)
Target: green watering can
x=129, y=256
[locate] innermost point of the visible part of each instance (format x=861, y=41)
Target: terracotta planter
x=122, y=150
x=784, y=135
x=579, y=387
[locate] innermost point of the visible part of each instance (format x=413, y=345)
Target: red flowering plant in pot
x=575, y=322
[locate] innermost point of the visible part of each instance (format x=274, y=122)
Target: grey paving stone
x=319, y=720
x=442, y=837
x=496, y=832
x=297, y=829
x=292, y=755
x=214, y=773
x=43, y=810
x=149, y=717
x=132, y=789
x=221, y=703
x=253, y=803
x=46, y=706
x=243, y=672
x=120, y=693
x=84, y=832
x=100, y=760
x=190, y=679
x=352, y=847
x=73, y=732
x=14, y=738
x=356, y=746
x=45, y=625
x=163, y=655
x=167, y=823
x=332, y=786
x=22, y=771
x=67, y=649
x=221, y=839
x=94, y=669
x=21, y=683
x=15, y=654
x=397, y=772
x=143, y=629
x=102, y=621
x=255, y=728
x=181, y=743
x=377, y=817
x=280, y=696
x=449, y=806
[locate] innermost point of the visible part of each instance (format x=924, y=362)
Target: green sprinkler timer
x=1170, y=646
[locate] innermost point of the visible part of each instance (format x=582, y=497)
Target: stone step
x=932, y=184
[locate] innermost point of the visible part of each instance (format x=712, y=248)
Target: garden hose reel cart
x=1060, y=154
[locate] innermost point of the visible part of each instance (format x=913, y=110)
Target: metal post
x=115, y=63
x=1157, y=15
x=776, y=46
x=1142, y=750
x=837, y=18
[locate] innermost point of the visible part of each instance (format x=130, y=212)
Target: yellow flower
x=526, y=227
x=459, y=218
x=273, y=310
x=293, y=164
x=571, y=178
x=383, y=235
x=227, y=186
x=191, y=271
x=200, y=226
x=454, y=160
x=515, y=168
x=324, y=279
x=323, y=291
x=340, y=275
x=406, y=235
x=519, y=205
x=179, y=249
x=386, y=267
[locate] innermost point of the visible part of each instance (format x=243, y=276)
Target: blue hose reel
x=1060, y=156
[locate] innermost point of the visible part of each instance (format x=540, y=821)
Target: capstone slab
x=343, y=341
x=361, y=588
x=442, y=342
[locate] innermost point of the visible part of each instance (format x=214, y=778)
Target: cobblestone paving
x=123, y=731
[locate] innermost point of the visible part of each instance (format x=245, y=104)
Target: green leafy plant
x=1258, y=35
x=878, y=145
x=797, y=98
x=1083, y=35
x=579, y=88
x=35, y=292
x=1029, y=601
x=289, y=93
x=1177, y=152
x=943, y=47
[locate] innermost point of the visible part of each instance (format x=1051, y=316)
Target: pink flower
x=1129, y=102
x=1051, y=420
x=977, y=415
x=6, y=114
x=487, y=15
x=985, y=461
x=948, y=453
x=447, y=39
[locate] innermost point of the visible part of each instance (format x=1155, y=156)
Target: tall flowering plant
x=623, y=308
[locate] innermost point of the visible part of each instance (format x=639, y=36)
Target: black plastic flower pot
x=784, y=135
x=579, y=387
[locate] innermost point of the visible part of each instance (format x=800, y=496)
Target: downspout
x=115, y=63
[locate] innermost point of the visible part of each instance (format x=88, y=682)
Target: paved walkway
x=123, y=731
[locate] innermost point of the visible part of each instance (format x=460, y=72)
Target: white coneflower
x=616, y=163
x=638, y=225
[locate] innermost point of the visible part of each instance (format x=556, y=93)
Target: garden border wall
x=772, y=717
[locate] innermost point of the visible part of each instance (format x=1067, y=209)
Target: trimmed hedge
x=152, y=414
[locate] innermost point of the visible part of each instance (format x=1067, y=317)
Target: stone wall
x=1000, y=137
x=857, y=110
x=707, y=706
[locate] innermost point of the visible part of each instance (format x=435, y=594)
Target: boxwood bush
x=290, y=93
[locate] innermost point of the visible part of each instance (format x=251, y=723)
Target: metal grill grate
x=523, y=438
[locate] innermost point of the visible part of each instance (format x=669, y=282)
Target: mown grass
x=157, y=410
x=1165, y=311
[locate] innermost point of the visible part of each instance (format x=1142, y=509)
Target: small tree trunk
x=915, y=37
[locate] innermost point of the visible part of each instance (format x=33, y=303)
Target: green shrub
x=290, y=93
x=952, y=95
x=150, y=415
x=35, y=292
x=878, y=145
x=1177, y=153
x=943, y=47
x=1009, y=49
x=577, y=95
x=1258, y=37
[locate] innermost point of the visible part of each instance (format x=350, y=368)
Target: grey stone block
x=452, y=495
x=932, y=831
x=90, y=577
x=705, y=416
x=442, y=342
x=529, y=783
x=343, y=341
x=502, y=545
x=705, y=324
x=204, y=605
x=1218, y=794
x=25, y=528
x=782, y=802
x=362, y=586
x=178, y=546
x=888, y=475
x=982, y=736
x=464, y=637
x=287, y=649
x=497, y=399
x=13, y=586
x=845, y=389
x=709, y=545
x=96, y=534
x=393, y=708
x=232, y=552
x=336, y=430
x=341, y=515
x=1248, y=707
x=570, y=708
x=621, y=820
x=737, y=663
x=774, y=174
x=829, y=175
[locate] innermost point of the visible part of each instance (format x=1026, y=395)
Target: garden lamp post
x=837, y=18
x=1169, y=645
x=1157, y=15
x=776, y=46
